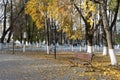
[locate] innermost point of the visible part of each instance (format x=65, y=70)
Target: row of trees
x=18, y=21
x=93, y=13
x=11, y=11
x=75, y=19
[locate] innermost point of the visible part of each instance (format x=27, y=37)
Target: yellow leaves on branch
x=34, y=10
x=61, y=11
x=38, y=9
x=88, y=6
x=90, y=21
x=77, y=34
x=90, y=11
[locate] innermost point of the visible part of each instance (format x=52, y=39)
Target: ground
x=40, y=66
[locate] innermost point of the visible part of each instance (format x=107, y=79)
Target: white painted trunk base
x=48, y=49
x=1, y=46
x=80, y=48
x=89, y=49
x=105, y=51
x=85, y=47
x=72, y=48
x=93, y=48
x=112, y=57
x=31, y=46
x=23, y=48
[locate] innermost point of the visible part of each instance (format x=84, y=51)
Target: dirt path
x=14, y=67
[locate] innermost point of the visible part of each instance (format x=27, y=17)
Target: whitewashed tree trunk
x=93, y=48
x=31, y=46
x=24, y=48
x=80, y=48
x=72, y=47
x=112, y=57
x=20, y=45
x=85, y=48
x=108, y=30
x=1, y=46
x=39, y=43
x=48, y=49
x=118, y=46
x=105, y=51
x=89, y=49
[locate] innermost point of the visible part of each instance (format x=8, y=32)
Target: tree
x=12, y=13
x=5, y=3
x=87, y=12
x=39, y=11
x=108, y=27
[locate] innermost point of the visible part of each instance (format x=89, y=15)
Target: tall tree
x=39, y=10
x=5, y=3
x=87, y=13
x=108, y=27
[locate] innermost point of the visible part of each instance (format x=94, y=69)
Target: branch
x=96, y=1
x=96, y=27
x=1, y=17
x=79, y=11
x=115, y=15
x=22, y=9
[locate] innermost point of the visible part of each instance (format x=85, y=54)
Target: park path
x=17, y=67
x=14, y=67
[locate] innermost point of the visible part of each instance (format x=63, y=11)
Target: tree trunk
x=21, y=36
x=11, y=22
x=105, y=48
x=1, y=46
x=4, y=24
x=9, y=36
x=61, y=37
x=111, y=49
x=47, y=34
x=89, y=43
x=72, y=47
x=108, y=34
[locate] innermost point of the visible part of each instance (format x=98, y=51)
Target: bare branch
x=79, y=11
x=115, y=15
x=96, y=1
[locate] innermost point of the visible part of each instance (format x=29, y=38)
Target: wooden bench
x=84, y=59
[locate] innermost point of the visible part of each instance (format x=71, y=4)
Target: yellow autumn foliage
x=61, y=11
x=90, y=11
x=37, y=9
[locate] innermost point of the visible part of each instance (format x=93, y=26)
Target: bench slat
x=83, y=59
x=84, y=56
x=79, y=62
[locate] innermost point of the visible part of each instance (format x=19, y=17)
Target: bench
x=84, y=59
